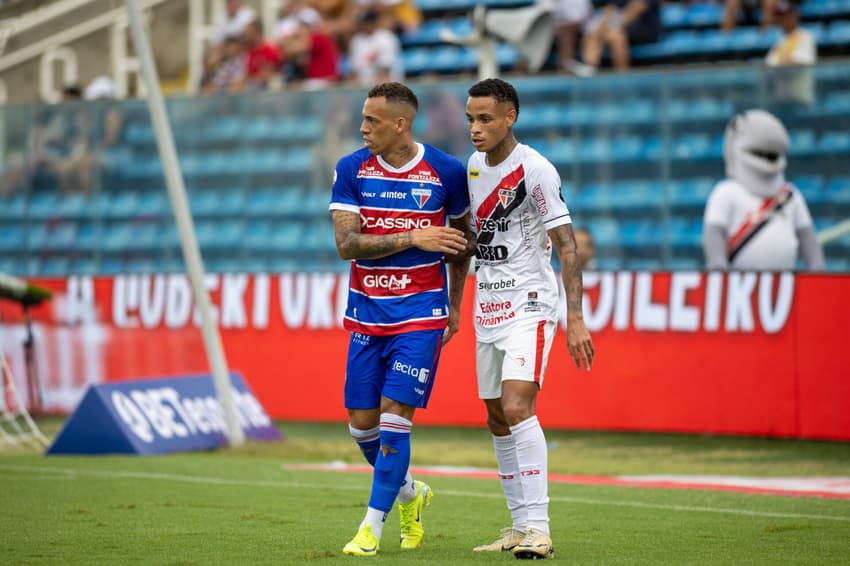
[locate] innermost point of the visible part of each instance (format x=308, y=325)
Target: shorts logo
x=521, y=360
x=421, y=196
x=421, y=374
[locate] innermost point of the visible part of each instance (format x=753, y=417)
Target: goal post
x=17, y=427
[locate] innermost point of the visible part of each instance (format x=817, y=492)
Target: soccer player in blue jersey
x=401, y=215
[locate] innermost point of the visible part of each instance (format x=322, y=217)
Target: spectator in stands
x=68, y=143
x=263, y=58
x=233, y=21
x=586, y=249
x=292, y=13
x=570, y=16
x=755, y=219
x=226, y=72
x=311, y=56
x=619, y=25
x=399, y=16
x=796, y=47
x=375, y=52
x=339, y=20
x=748, y=13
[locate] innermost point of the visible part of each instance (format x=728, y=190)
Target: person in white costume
x=518, y=216
x=756, y=219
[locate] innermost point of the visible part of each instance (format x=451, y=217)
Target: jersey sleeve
x=802, y=216
x=453, y=177
x=718, y=208
x=545, y=190
x=344, y=192
x=457, y=190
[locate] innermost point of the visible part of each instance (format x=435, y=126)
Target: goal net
x=17, y=428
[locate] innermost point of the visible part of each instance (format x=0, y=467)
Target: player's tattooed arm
x=565, y=243
x=458, y=267
x=579, y=342
x=352, y=244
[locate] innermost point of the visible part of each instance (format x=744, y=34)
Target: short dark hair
x=395, y=92
x=501, y=90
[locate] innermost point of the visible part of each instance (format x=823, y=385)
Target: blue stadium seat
x=43, y=204
x=75, y=206
x=690, y=193
x=837, y=34
x=112, y=266
x=12, y=236
x=319, y=238
x=154, y=203
x=13, y=206
x=219, y=234
x=124, y=204
x=838, y=190
x=55, y=266
x=286, y=236
x=803, y=141
x=87, y=236
x=835, y=141
x=257, y=234
x=703, y=14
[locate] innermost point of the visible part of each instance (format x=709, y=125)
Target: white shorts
x=522, y=355
x=572, y=11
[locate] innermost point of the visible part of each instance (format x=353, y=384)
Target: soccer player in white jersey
x=518, y=216
x=400, y=210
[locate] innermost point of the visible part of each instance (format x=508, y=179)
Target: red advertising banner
x=737, y=353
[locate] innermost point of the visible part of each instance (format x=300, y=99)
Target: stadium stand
x=638, y=154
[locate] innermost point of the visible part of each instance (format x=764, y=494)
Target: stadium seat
x=12, y=237
x=286, y=237
x=838, y=190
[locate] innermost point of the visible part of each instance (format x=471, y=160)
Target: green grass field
x=239, y=506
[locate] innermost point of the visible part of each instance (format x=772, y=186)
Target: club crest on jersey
x=421, y=196
x=506, y=197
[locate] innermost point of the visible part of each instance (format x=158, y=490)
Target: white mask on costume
x=754, y=147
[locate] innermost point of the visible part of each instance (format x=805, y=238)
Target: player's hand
x=452, y=326
x=443, y=239
x=579, y=344
x=469, y=251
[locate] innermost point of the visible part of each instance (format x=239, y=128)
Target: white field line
x=152, y=476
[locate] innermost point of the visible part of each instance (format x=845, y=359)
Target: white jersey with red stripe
x=514, y=204
x=775, y=246
x=406, y=291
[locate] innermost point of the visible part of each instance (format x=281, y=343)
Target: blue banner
x=158, y=416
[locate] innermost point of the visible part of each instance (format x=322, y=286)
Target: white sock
x=408, y=489
x=376, y=519
x=532, y=458
x=506, y=458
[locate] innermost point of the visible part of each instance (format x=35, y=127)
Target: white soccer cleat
x=509, y=538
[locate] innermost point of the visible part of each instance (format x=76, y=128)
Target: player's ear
x=511, y=116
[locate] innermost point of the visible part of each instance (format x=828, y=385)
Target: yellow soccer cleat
x=410, y=514
x=535, y=545
x=364, y=543
x=509, y=538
